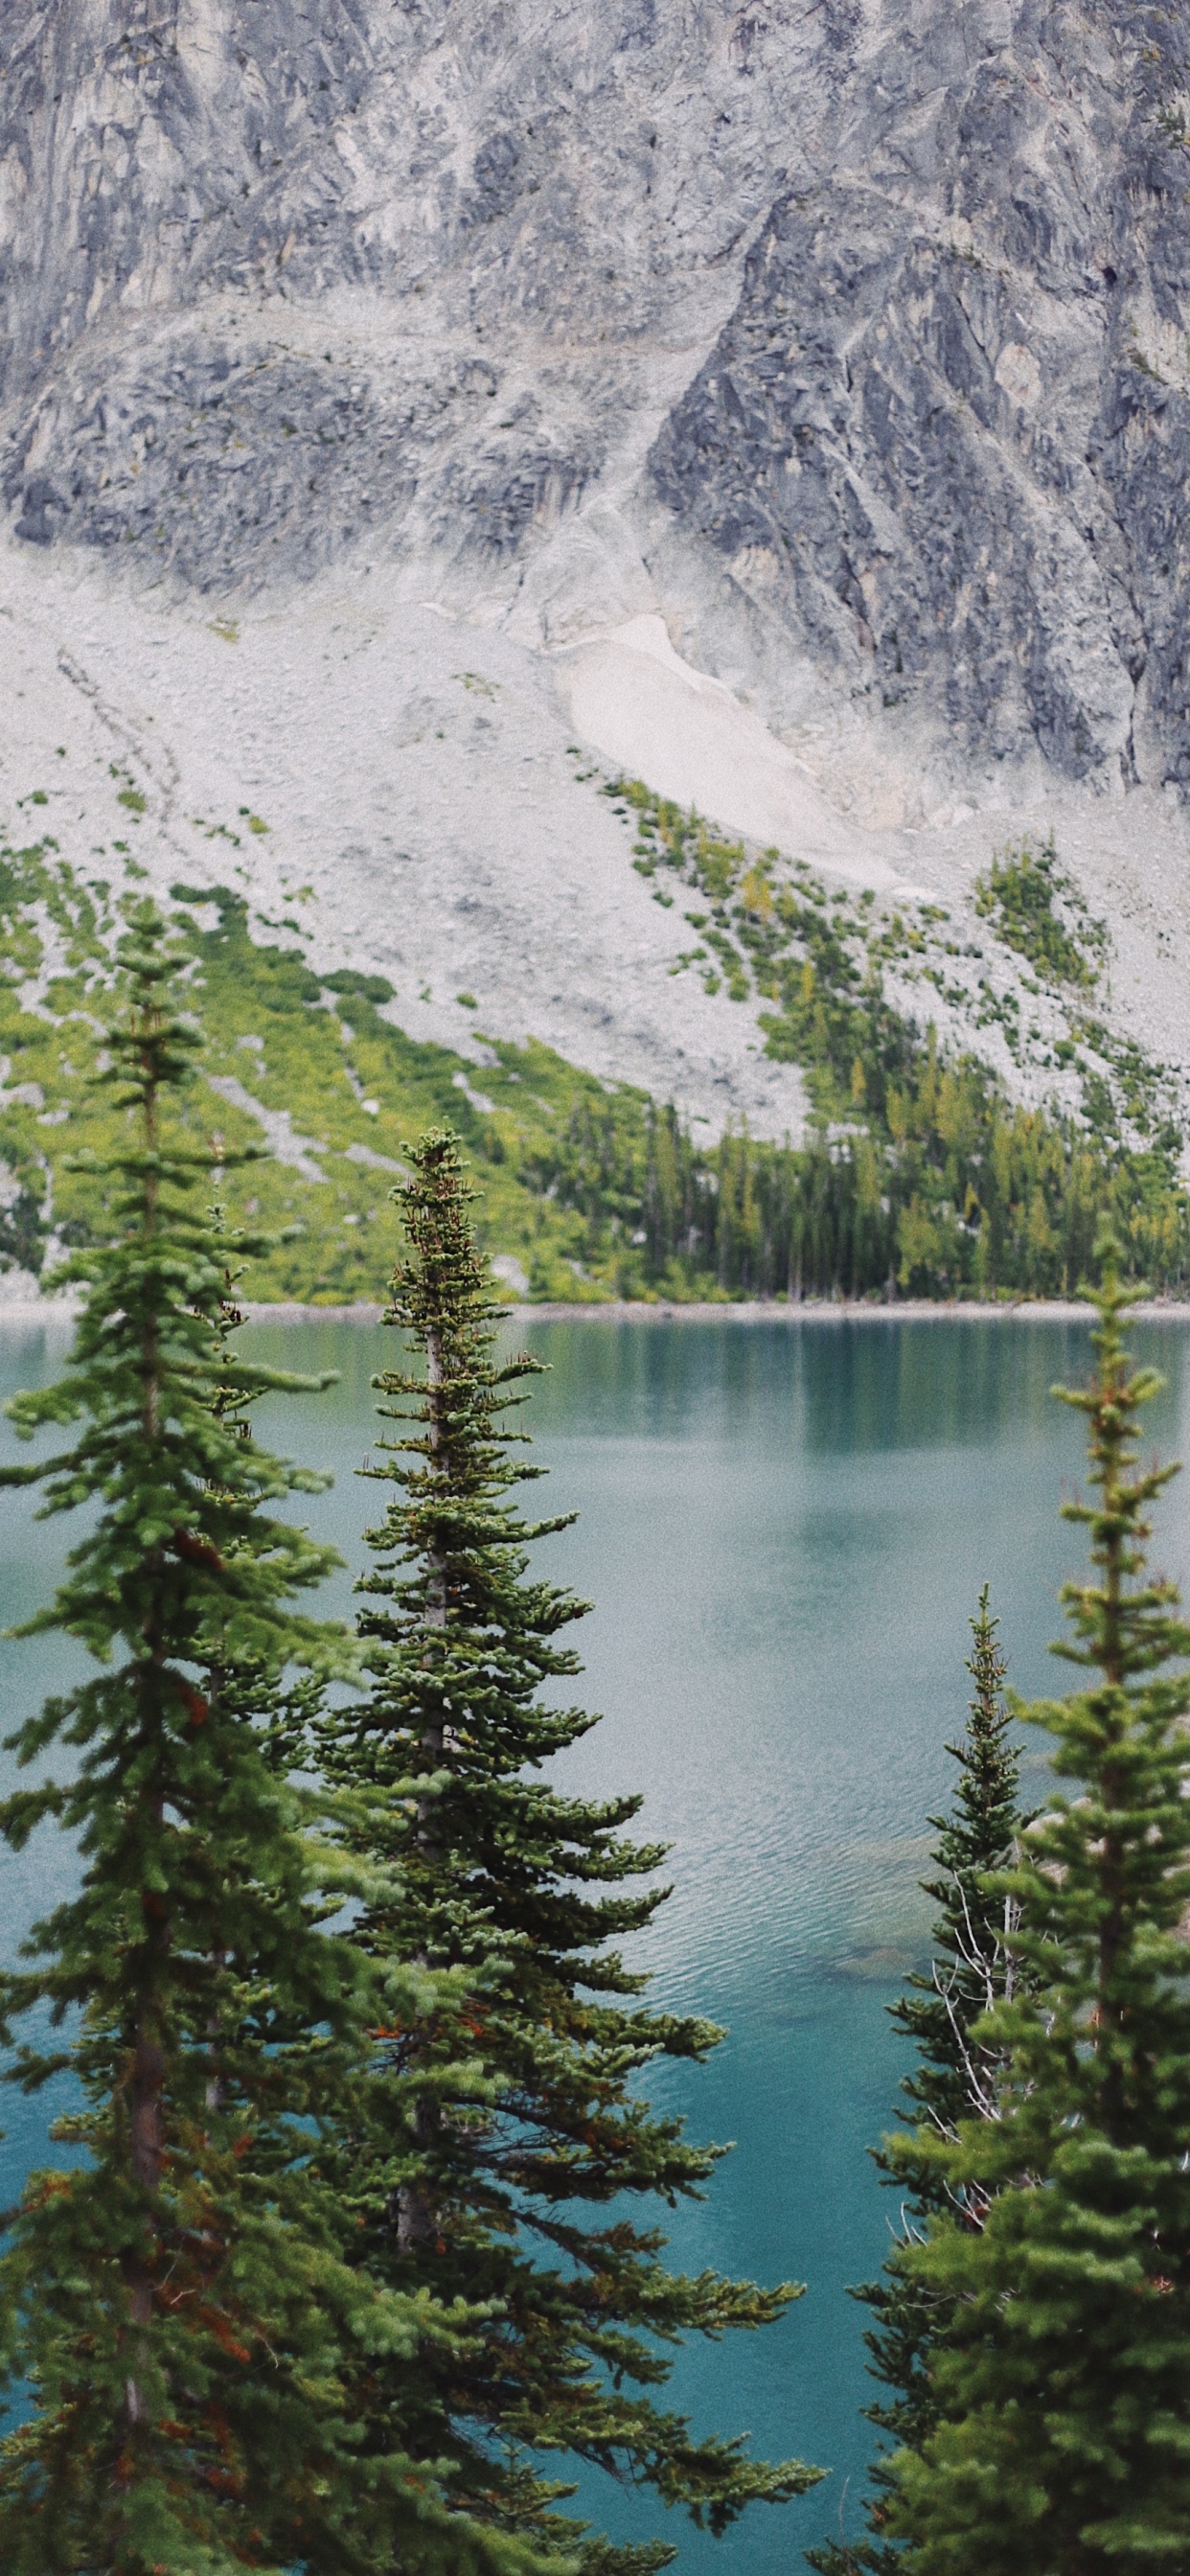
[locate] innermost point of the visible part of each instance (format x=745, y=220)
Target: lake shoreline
x=773, y=1310
x=639, y=1310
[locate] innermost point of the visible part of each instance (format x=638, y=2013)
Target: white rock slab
x=635, y=699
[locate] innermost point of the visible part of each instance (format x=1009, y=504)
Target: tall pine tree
x=1061, y=2444
x=516, y=2183
x=174, y=2301
x=956, y=2076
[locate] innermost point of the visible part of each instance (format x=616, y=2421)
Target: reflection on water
x=783, y=1530
x=842, y=1384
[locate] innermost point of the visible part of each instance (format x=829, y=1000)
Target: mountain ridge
x=904, y=286
x=444, y=348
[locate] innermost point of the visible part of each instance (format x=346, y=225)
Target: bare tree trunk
x=146, y=2091
x=417, y=2219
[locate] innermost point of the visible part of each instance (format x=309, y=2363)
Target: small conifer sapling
x=956, y=2073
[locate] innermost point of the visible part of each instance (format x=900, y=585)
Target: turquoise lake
x=784, y=1529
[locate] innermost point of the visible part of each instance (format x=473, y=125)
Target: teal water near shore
x=783, y=1532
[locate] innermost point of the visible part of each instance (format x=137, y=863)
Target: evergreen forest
x=921, y=1171
x=348, y=2252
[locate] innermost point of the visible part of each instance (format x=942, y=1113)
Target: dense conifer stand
x=181, y=2336
x=354, y=2259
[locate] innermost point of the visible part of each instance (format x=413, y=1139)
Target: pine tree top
x=1106, y=1866
x=156, y=1453
x=980, y=1830
x=972, y=1958
x=442, y=1299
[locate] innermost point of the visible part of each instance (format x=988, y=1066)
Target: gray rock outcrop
x=852, y=335
x=945, y=437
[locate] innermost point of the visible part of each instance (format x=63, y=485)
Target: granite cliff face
x=945, y=437
x=277, y=280
x=851, y=337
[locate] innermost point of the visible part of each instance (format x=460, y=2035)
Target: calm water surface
x=784, y=1530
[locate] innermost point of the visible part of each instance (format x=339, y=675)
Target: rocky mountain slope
x=790, y=401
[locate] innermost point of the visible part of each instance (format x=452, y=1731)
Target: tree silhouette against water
x=514, y=2184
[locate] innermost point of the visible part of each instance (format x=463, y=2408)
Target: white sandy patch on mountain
x=689, y=736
